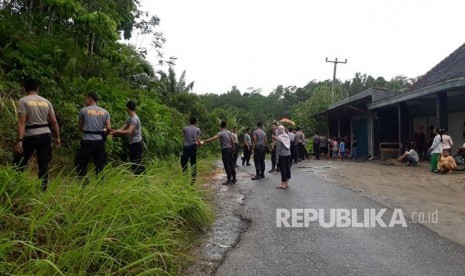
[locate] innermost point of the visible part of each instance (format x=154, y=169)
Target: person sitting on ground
x=446, y=163
x=410, y=155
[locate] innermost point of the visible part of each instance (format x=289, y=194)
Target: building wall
x=456, y=125
x=456, y=128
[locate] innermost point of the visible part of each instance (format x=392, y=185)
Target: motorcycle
x=459, y=158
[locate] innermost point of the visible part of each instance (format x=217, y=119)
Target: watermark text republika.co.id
x=364, y=218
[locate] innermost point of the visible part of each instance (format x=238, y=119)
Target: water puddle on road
x=227, y=229
x=319, y=168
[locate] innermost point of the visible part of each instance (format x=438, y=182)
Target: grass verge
x=118, y=225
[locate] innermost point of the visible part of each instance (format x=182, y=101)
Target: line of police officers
x=37, y=117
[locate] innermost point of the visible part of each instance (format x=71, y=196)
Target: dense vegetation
x=119, y=224
x=297, y=103
x=73, y=47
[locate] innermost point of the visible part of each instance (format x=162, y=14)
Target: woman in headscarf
x=436, y=150
x=283, y=151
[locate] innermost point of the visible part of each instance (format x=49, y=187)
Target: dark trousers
x=94, y=150
x=235, y=153
x=189, y=153
x=259, y=161
x=316, y=150
x=285, y=168
x=273, y=158
x=135, y=156
x=291, y=159
x=247, y=154
x=294, y=152
x=227, y=157
x=302, y=151
x=42, y=145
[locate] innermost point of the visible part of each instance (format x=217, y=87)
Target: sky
x=266, y=43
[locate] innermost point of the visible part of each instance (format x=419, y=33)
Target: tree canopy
x=76, y=46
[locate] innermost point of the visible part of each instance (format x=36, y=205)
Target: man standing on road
x=133, y=129
x=227, y=149
x=274, y=134
x=36, y=114
x=293, y=146
x=295, y=154
x=259, y=150
x=247, y=148
x=323, y=147
x=419, y=141
x=300, y=140
x=316, y=145
x=354, y=146
x=191, y=135
x=235, y=141
x=95, y=123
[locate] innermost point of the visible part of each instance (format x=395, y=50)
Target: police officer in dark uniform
x=191, y=135
x=36, y=114
x=227, y=150
x=95, y=123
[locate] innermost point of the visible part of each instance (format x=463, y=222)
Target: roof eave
x=422, y=92
x=363, y=94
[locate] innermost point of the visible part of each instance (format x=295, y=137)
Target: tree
x=399, y=83
x=305, y=112
x=358, y=83
x=169, y=86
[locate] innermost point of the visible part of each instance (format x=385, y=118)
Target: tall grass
x=118, y=224
x=8, y=114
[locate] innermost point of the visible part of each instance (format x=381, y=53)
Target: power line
x=334, y=73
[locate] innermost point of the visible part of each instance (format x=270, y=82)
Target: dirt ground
x=413, y=189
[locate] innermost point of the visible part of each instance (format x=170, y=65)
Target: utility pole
x=334, y=74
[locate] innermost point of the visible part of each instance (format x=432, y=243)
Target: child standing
x=335, y=148
x=342, y=149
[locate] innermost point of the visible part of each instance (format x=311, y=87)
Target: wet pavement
x=246, y=241
x=228, y=227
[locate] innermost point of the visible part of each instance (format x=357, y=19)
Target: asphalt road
x=265, y=249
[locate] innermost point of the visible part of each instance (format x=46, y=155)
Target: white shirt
x=436, y=147
x=413, y=154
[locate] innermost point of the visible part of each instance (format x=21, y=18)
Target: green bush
x=118, y=225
